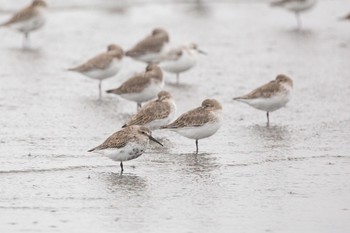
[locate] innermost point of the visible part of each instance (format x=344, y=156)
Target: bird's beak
x=202, y=52
x=155, y=140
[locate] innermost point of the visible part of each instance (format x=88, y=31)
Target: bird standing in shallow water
x=199, y=123
x=271, y=96
x=102, y=66
x=141, y=87
x=156, y=113
x=180, y=59
x=296, y=6
x=150, y=48
x=28, y=19
x=126, y=144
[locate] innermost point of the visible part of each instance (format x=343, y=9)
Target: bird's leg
x=177, y=78
x=196, y=146
x=121, y=166
x=25, y=39
x=99, y=89
x=297, y=15
x=268, y=118
x=138, y=106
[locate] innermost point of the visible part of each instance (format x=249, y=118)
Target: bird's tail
x=72, y=69
x=130, y=53
x=242, y=99
x=91, y=150
x=114, y=91
x=169, y=127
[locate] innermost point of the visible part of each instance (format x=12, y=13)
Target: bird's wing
x=171, y=55
x=22, y=15
x=101, y=61
x=149, y=44
x=150, y=112
x=132, y=85
x=194, y=118
x=264, y=91
x=116, y=140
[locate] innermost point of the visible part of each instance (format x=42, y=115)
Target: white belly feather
x=269, y=104
x=109, y=72
x=184, y=63
x=148, y=93
x=31, y=24
x=131, y=151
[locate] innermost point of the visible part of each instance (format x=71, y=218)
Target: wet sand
x=293, y=176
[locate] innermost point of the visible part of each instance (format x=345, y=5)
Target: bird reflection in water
x=271, y=136
x=199, y=8
x=127, y=182
x=201, y=164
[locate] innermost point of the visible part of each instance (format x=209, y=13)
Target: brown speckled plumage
x=140, y=81
x=157, y=109
x=122, y=137
x=26, y=13
x=152, y=43
x=270, y=89
x=198, y=116
x=101, y=61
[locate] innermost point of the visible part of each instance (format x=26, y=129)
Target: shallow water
x=293, y=176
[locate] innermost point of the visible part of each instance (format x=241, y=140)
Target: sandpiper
x=180, y=59
x=127, y=144
x=102, y=66
x=296, y=6
x=142, y=87
x=271, y=96
x=149, y=49
x=155, y=114
x=28, y=19
x=199, y=123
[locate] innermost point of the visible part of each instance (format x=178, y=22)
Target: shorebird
x=296, y=6
x=155, y=114
x=271, y=96
x=180, y=59
x=141, y=87
x=102, y=66
x=28, y=19
x=149, y=49
x=127, y=144
x=199, y=123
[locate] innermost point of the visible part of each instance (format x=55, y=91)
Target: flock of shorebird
x=202, y=122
